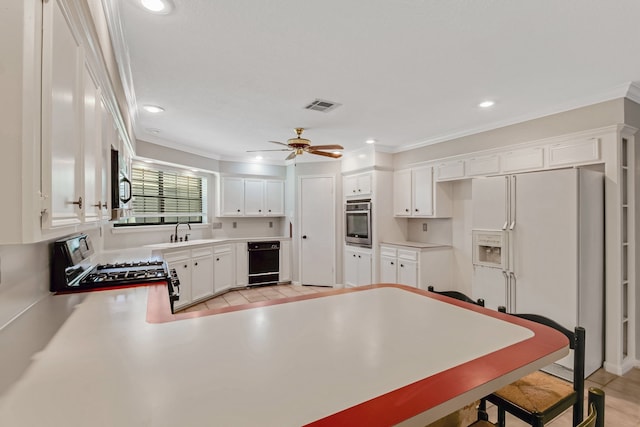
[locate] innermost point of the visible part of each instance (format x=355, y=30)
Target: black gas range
x=73, y=270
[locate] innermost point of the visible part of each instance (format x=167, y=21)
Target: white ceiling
x=232, y=75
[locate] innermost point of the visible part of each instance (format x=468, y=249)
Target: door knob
x=304, y=237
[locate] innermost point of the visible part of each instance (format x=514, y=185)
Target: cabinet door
x=232, y=196
x=364, y=184
x=61, y=119
x=285, y=261
x=106, y=133
x=422, y=191
x=350, y=268
x=274, y=197
x=223, y=271
x=201, y=277
x=408, y=273
x=254, y=197
x=242, y=264
x=92, y=155
x=402, y=193
x=350, y=186
x=388, y=269
x=183, y=269
x=364, y=269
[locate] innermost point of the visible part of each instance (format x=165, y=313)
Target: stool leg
x=501, y=417
x=596, y=396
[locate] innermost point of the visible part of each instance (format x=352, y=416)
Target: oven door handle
x=357, y=212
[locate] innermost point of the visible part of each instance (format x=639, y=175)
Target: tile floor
x=622, y=393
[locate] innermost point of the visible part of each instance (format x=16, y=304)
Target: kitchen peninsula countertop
x=109, y=365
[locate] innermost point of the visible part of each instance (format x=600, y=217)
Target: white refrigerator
x=539, y=248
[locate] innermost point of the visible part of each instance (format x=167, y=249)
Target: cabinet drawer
x=176, y=256
x=407, y=255
x=198, y=252
x=222, y=249
x=388, y=251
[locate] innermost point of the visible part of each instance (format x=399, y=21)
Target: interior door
x=317, y=231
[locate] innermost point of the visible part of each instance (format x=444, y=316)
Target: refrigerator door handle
x=512, y=202
x=512, y=292
x=507, y=202
x=506, y=289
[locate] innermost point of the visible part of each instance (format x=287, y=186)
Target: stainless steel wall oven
x=358, y=223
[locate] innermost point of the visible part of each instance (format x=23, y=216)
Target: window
x=165, y=197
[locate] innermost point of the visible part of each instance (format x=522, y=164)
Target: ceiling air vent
x=322, y=105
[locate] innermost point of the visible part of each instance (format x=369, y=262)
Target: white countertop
x=286, y=364
x=197, y=242
x=418, y=245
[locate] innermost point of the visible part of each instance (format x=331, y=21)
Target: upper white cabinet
x=574, y=152
x=450, y=170
x=415, y=194
x=52, y=122
x=62, y=119
x=250, y=197
x=483, y=165
x=523, y=160
x=357, y=185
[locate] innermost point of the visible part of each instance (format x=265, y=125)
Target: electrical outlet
x=235, y=224
x=270, y=224
x=424, y=226
x=216, y=225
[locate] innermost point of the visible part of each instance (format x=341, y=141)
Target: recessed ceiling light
x=157, y=6
x=258, y=157
x=194, y=170
x=370, y=141
x=153, y=130
x=148, y=161
x=486, y=104
x=336, y=152
x=153, y=109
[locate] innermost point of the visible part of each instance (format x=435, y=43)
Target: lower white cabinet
x=357, y=266
x=223, y=270
x=285, y=261
x=416, y=266
x=195, y=272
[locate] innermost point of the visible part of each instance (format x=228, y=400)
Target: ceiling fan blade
x=326, y=147
x=324, y=153
x=281, y=143
x=291, y=156
x=278, y=149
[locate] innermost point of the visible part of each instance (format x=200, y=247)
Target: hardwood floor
x=622, y=393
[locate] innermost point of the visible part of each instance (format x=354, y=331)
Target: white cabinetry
x=231, y=196
x=357, y=266
x=62, y=121
x=415, y=194
x=417, y=267
x=357, y=185
x=251, y=197
x=242, y=264
x=285, y=261
x=223, y=270
x=195, y=272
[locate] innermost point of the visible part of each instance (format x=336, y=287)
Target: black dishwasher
x=264, y=263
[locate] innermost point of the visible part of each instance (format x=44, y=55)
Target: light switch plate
x=424, y=226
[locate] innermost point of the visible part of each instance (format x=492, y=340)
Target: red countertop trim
x=413, y=399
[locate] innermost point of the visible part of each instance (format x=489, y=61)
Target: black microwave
x=120, y=187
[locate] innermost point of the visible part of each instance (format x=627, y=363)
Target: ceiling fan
x=299, y=145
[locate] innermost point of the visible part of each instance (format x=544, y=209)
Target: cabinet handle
x=259, y=210
x=359, y=256
x=416, y=209
x=269, y=210
x=401, y=265
x=100, y=205
x=406, y=210
x=185, y=266
x=238, y=210
x=79, y=203
x=354, y=255
x=217, y=259
x=391, y=262
x=195, y=263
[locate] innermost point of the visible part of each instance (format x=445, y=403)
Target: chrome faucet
x=174, y=238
